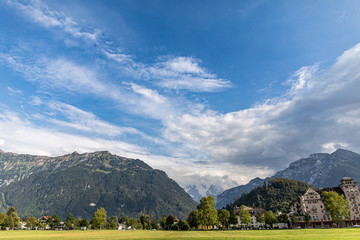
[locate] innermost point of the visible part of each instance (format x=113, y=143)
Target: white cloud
x=147, y=93
x=39, y=12
x=13, y=91
x=319, y=114
x=185, y=73
x=23, y=137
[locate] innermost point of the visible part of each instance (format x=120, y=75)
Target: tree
x=307, y=219
x=193, y=219
x=270, y=218
x=170, y=221
x=163, y=222
x=3, y=218
x=69, y=222
x=84, y=223
x=183, y=225
x=99, y=218
x=124, y=220
x=224, y=216
x=245, y=217
x=283, y=218
x=12, y=220
x=207, y=212
x=154, y=224
x=55, y=221
x=132, y=223
x=260, y=218
x=112, y=223
x=294, y=220
x=145, y=221
x=337, y=205
x=233, y=219
x=31, y=222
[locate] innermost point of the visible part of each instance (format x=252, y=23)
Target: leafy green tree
x=170, y=221
x=233, y=219
x=12, y=221
x=84, y=223
x=307, y=219
x=99, y=218
x=154, y=224
x=294, y=220
x=3, y=218
x=31, y=222
x=145, y=221
x=112, y=223
x=270, y=218
x=55, y=221
x=283, y=218
x=183, y=225
x=133, y=223
x=11, y=210
x=163, y=222
x=124, y=219
x=260, y=218
x=69, y=222
x=193, y=219
x=77, y=223
x=138, y=225
x=338, y=206
x=245, y=216
x=207, y=212
x=224, y=216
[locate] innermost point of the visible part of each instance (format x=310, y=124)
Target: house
x=311, y=203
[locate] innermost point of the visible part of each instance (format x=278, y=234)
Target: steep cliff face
x=319, y=169
x=80, y=183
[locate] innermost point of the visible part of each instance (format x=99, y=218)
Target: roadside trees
x=224, y=216
x=207, y=212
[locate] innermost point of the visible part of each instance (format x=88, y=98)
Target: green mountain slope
x=80, y=183
x=276, y=195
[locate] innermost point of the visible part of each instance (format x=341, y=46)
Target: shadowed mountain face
x=80, y=183
x=320, y=170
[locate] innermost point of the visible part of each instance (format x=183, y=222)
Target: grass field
x=345, y=233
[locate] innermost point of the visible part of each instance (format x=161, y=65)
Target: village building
x=311, y=203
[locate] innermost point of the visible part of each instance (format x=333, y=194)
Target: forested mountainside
x=80, y=183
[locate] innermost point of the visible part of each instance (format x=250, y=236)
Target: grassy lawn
x=350, y=233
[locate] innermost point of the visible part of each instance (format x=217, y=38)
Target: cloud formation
x=318, y=113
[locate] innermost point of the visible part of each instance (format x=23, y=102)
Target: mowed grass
x=344, y=233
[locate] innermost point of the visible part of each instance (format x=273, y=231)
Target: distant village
x=317, y=208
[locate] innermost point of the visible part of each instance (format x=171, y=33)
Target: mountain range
x=320, y=170
x=80, y=183
x=199, y=191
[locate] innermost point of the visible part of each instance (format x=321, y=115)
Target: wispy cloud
x=185, y=73
x=24, y=137
x=40, y=13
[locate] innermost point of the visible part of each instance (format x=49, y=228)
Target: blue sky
x=209, y=91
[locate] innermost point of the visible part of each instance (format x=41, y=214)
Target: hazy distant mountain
x=199, y=191
x=80, y=183
x=320, y=170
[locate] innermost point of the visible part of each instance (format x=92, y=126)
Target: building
x=311, y=203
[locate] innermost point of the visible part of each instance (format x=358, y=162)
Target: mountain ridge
x=319, y=169
x=78, y=183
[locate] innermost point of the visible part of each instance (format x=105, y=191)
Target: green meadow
x=345, y=233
